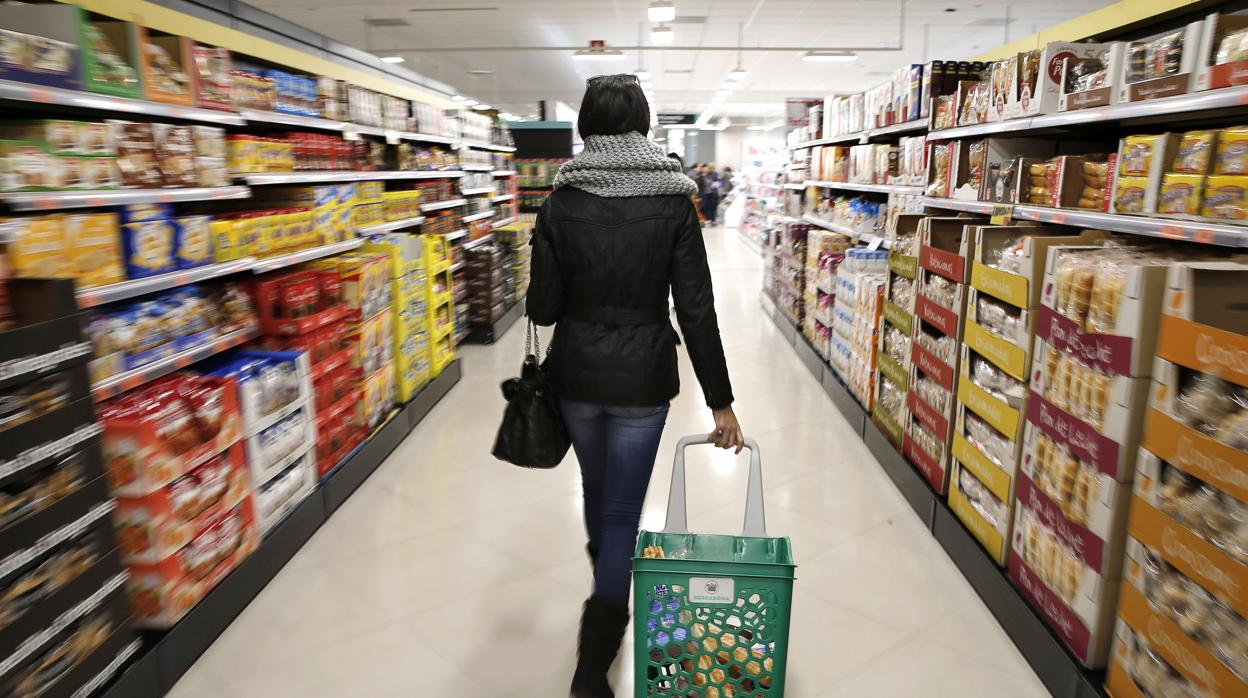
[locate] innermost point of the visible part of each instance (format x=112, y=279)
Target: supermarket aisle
x=449, y=573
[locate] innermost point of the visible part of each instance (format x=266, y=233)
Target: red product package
x=331, y=287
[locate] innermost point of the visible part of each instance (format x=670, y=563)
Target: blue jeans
x=616, y=447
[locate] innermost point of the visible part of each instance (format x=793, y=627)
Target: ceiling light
x=469, y=102
x=830, y=56
x=642, y=74
x=757, y=128
x=482, y=107
x=661, y=11
x=662, y=34
x=461, y=98
x=391, y=59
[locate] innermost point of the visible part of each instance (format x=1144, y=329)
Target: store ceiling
x=421, y=31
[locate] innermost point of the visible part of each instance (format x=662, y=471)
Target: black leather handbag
x=532, y=434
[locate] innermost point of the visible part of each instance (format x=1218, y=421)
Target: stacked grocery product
x=944, y=276
x=177, y=467
x=1007, y=272
x=1181, y=628
x=1198, y=174
x=491, y=288
x=860, y=280
x=283, y=219
x=890, y=412
x=279, y=432
x=304, y=311
x=64, y=619
x=1093, y=355
x=515, y=241
x=440, y=295
x=790, y=266
x=824, y=253
x=408, y=279
x=57, y=154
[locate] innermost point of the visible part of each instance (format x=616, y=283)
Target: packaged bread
x=1225, y=197
x=94, y=241
x=1130, y=194
x=40, y=247
x=1232, y=151
x=1137, y=154
x=1181, y=193
x=1195, y=152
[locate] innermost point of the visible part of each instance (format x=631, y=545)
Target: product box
x=1020, y=288
x=280, y=495
x=980, y=495
x=111, y=54
x=1095, y=86
x=167, y=66
x=153, y=527
x=142, y=456
x=94, y=248
x=273, y=449
x=1087, y=496
x=193, y=241
x=213, y=85
x=1222, y=62
x=1165, y=66
x=40, y=247
x=1038, y=83
x=160, y=594
x=148, y=248
x=136, y=154
x=39, y=44
x=1069, y=577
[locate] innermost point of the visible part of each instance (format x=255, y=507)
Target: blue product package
x=148, y=248
x=138, y=213
x=193, y=241
x=149, y=335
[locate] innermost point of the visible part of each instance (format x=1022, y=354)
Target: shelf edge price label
x=1001, y=214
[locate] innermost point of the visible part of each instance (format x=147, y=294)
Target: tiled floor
x=451, y=574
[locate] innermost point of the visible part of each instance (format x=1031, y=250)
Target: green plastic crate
x=711, y=618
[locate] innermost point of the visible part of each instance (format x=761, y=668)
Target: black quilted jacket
x=602, y=269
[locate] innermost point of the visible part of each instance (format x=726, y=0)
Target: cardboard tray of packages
x=1020, y=290
x=1105, y=514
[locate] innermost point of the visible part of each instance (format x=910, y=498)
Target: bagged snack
x=1225, y=197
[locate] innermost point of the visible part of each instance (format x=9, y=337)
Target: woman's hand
x=727, y=432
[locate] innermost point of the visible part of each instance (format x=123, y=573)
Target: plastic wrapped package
x=1214, y=407
x=1204, y=618
x=1011, y=258
x=1079, y=389
x=982, y=500
x=1001, y=318
x=987, y=376
x=977, y=157
x=1216, y=516
x=940, y=290
x=1067, y=480
x=896, y=344
x=932, y=393
x=1155, y=59
x=891, y=398
x=1233, y=47
x=991, y=442
x=1155, y=677
x=1050, y=558
x=944, y=347
x=901, y=291
x=931, y=444
x=1083, y=74
x=939, y=167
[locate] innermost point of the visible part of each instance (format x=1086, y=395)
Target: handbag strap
x=533, y=342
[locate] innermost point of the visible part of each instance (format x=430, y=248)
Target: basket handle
x=755, y=519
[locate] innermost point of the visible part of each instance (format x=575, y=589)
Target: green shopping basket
x=711, y=617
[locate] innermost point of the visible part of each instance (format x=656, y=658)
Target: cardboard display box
x=1183, y=79
x=1106, y=93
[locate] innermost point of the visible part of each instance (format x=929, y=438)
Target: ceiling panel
x=456, y=42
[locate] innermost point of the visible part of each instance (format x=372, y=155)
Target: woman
x=616, y=235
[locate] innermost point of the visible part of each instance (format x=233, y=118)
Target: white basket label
x=712, y=590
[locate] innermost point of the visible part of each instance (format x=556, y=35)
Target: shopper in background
x=708, y=192
x=692, y=172
x=618, y=234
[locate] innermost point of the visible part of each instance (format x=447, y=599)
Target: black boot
x=602, y=629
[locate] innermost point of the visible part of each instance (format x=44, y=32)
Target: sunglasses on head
x=627, y=76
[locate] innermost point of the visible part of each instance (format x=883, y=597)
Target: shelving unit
x=391, y=225
x=865, y=238
x=865, y=136
x=501, y=198
x=128, y=380
x=504, y=221
x=477, y=216
x=872, y=188
x=57, y=200
x=99, y=295
x=439, y=205
x=477, y=191
x=479, y=145
x=19, y=92
x=267, y=264
x=336, y=176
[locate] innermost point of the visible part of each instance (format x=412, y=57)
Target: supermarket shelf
x=897, y=129
x=478, y=241
x=846, y=138
x=426, y=138
x=345, y=176
x=271, y=263
x=54, y=200
x=1169, y=228
x=488, y=334
x=505, y=173
x=867, y=135
x=502, y=197
x=12, y=91
x=1189, y=107
x=439, y=205
x=129, y=380
x=504, y=221
x=1060, y=672
x=750, y=241
x=482, y=145
x=477, y=191
x=865, y=238
x=456, y=234
x=391, y=225
x=477, y=216
x=171, y=654
x=873, y=188
x=259, y=116
x=461, y=336
x=476, y=168
x=458, y=265
x=798, y=186
x=98, y=295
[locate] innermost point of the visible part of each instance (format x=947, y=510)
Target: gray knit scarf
x=627, y=164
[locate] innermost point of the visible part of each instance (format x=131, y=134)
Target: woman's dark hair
x=678, y=160
x=613, y=104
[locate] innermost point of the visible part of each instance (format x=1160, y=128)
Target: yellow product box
x=368, y=214
x=40, y=247
x=344, y=224
x=244, y=155
x=1130, y=195
x=1232, y=156
x=370, y=192
x=1226, y=197
x=1181, y=193
x=1137, y=154
x=228, y=241
x=94, y=241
